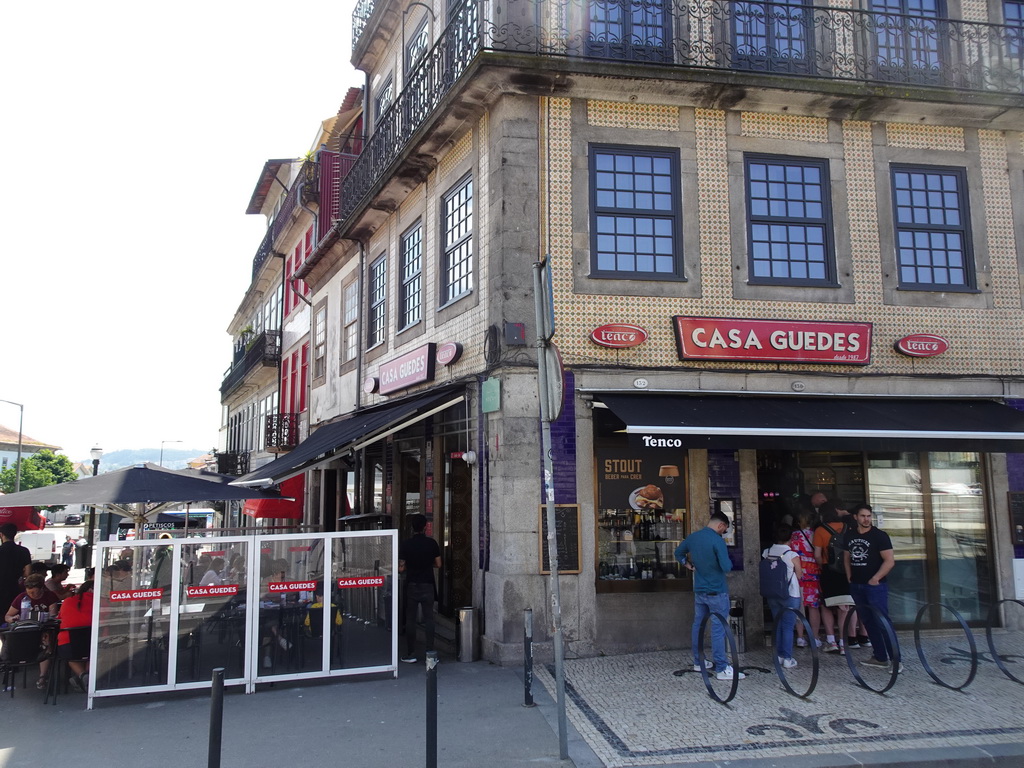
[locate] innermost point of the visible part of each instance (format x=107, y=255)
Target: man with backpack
x=780, y=585
x=829, y=543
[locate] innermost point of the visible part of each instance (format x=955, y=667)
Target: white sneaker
x=285, y=644
x=801, y=642
x=728, y=674
x=787, y=663
x=708, y=664
x=267, y=663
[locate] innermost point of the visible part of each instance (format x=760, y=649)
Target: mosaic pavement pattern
x=652, y=709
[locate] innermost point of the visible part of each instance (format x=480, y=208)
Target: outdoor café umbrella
x=140, y=492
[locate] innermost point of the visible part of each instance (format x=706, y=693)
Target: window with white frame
x=320, y=341
x=410, y=298
x=457, y=236
x=378, y=313
x=350, y=330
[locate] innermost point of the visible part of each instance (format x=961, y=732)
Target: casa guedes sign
x=618, y=335
x=779, y=341
x=921, y=345
x=411, y=368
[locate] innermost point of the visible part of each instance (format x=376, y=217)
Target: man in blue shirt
x=704, y=553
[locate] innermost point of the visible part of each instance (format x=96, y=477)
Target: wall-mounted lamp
x=469, y=457
x=670, y=472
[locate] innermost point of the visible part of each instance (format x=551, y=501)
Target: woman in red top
x=810, y=586
x=75, y=611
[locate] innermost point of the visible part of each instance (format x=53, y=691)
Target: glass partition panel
x=362, y=583
x=291, y=583
x=894, y=482
x=134, y=612
x=211, y=610
x=961, y=533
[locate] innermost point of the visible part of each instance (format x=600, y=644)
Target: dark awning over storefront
x=818, y=423
x=339, y=435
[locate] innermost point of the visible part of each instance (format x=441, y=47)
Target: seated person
x=41, y=600
x=212, y=577
x=58, y=574
x=75, y=612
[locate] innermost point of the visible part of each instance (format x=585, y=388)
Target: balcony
x=262, y=253
x=260, y=351
x=236, y=463
x=778, y=44
x=282, y=432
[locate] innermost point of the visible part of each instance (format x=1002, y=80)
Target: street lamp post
x=21, y=419
x=162, y=444
x=96, y=453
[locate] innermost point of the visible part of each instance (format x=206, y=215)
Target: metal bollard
x=216, y=717
x=528, y=657
x=431, y=709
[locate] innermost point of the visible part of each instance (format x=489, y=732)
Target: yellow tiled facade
x=982, y=341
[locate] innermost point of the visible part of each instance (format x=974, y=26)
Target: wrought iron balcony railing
x=770, y=38
x=262, y=253
x=233, y=463
x=263, y=349
x=282, y=431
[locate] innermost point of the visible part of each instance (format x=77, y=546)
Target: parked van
x=41, y=544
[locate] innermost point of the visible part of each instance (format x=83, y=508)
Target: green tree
x=39, y=470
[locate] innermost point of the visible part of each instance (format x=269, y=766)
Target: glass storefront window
x=932, y=507
x=360, y=619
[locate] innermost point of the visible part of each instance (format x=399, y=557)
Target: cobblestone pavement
x=653, y=709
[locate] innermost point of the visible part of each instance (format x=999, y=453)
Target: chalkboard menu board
x=1016, y=503
x=567, y=538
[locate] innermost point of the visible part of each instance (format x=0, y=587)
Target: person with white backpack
x=782, y=591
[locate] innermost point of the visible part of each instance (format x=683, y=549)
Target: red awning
x=294, y=487
x=26, y=518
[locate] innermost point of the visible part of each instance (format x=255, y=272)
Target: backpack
x=775, y=576
x=834, y=550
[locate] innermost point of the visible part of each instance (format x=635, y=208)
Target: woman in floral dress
x=810, y=586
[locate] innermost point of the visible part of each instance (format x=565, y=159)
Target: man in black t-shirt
x=418, y=556
x=868, y=560
x=13, y=559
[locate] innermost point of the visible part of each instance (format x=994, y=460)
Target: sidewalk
x=653, y=709
x=357, y=722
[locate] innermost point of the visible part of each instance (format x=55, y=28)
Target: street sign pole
x=544, y=306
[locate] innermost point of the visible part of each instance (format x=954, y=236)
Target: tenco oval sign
x=618, y=335
x=921, y=345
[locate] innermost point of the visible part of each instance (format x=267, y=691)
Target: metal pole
x=528, y=657
x=216, y=717
x=549, y=498
x=431, y=709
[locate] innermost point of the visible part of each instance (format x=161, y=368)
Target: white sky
x=134, y=134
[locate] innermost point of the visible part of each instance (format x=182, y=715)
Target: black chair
x=22, y=648
x=77, y=649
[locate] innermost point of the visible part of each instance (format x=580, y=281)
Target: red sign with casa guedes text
x=360, y=581
x=777, y=341
x=123, y=595
x=291, y=586
x=220, y=590
x=411, y=368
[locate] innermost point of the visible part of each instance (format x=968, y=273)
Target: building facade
x=782, y=245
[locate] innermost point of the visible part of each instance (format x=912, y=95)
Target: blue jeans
x=877, y=598
x=784, y=625
x=703, y=604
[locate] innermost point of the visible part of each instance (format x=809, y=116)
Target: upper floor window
x=775, y=36
x=932, y=228
x=350, y=332
x=385, y=98
x=410, y=299
x=1013, y=17
x=635, y=220
x=908, y=36
x=635, y=30
x=417, y=45
x=457, y=236
x=320, y=341
x=789, y=220
x=378, y=301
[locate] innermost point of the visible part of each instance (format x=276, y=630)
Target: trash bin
x=468, y=638
x=83, y=556
x=736, y=623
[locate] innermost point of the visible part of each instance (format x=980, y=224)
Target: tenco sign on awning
x=779, y=341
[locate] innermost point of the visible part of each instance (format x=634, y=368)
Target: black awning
x=818, y=423
x=334, y=437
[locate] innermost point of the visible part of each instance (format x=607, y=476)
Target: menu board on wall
x=1016, y=505
x=567, y=538
x=639, y=480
